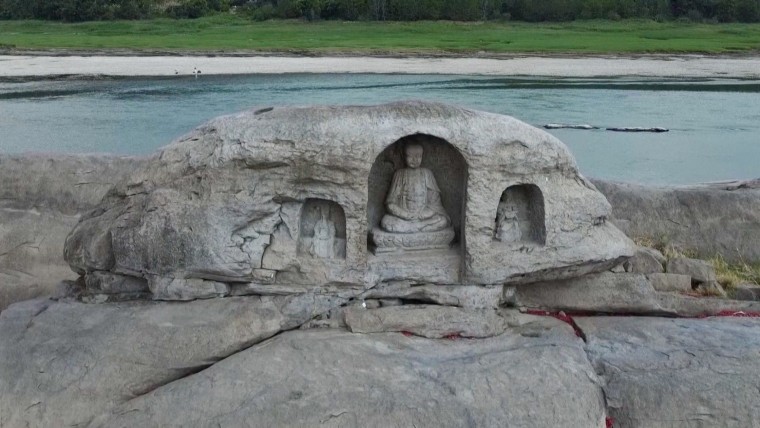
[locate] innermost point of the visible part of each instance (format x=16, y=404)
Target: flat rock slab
x=434, y=322
x=677, y=372
x=533, y=376
x=62, y=363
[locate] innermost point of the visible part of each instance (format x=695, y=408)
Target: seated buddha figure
x=413, y=203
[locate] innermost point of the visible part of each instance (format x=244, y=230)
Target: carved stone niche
x=322, y=231
x=520, y=216
x=441, y=173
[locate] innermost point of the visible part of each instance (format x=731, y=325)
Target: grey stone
x=41, y=199
x=252, y=288
x=747, y=292
x=63, y=363
x=618, y=269
x=712, y=288
x=164, y=288
x=109, y=283
x=426, y=320
x=264, y=276
x=670, y=282
x=603, y=292
x=654, y=253
x=371, y=304
x=690, y=306
x=240, y=193
x=644, y=261
x=719, y=218
x=700, y=271
x=677, y=372
x=619, y=293
x=466, y=296
x=384, y=380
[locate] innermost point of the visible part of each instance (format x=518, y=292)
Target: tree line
x=388, y=10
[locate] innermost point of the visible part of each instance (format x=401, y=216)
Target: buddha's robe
x=414, y=203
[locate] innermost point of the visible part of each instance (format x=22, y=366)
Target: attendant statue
x=323, y=242
x=507, y=223
x=413, y=202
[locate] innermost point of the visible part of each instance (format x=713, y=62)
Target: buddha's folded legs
x=395, y=224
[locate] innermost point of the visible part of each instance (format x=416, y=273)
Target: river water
x=714, y=124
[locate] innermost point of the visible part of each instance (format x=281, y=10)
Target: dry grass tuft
x=729, y=275
x=732, y=274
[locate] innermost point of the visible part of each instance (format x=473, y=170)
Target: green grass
x=232, y=33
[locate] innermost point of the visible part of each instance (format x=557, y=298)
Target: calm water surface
x=715, y=124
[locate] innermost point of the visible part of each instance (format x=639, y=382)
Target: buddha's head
x=413, y=155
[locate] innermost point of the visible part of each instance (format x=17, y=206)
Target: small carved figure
x=323, y=242
x=507, y=223
x=414, y=200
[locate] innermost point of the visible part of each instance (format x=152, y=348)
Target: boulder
x=711, y=219
x=700, y=271
x=41, y=199
x=669, y=282
x=747, y=292
x=384, y=379
x=712, y=288
x=677, y=372
x=288, y=197
x=62, y=363
x=605, y=292
x=644, y=261
x=621, y=293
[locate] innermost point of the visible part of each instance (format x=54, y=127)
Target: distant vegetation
x=225, y=32
x=388, y=10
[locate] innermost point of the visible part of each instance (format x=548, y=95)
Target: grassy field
x=231, y=33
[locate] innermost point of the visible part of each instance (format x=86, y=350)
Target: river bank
x=97, y=64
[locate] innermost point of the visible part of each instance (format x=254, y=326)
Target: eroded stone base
x=386, y=242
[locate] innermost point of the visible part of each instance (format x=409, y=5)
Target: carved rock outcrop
x=232, y=202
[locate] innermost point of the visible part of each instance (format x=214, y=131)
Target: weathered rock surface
x=538, y=378
x=747, y=292
x=621, y=293
x=719, y=218
x=677, y=372
x=605, y=292
x=107, y=283
x=43, y=196
x=431, y=321
x=61, y=363
x=240, y=194
x=646, y=261
x=466, y=296
x=669, y=282
x=700, y=271
x=41, y=199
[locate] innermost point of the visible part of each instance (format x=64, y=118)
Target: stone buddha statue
x=415, y=217
x=414, y=200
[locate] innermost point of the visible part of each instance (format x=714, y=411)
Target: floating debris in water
x=637, y=129
x=565, y=126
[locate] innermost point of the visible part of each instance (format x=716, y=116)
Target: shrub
x=188, y=9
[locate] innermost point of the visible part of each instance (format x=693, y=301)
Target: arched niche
x=520, y=215
x=439, y=156
x=322, y=231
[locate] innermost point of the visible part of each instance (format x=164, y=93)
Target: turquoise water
x=714, y=124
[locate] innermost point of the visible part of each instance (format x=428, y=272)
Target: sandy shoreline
x=681, y=66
